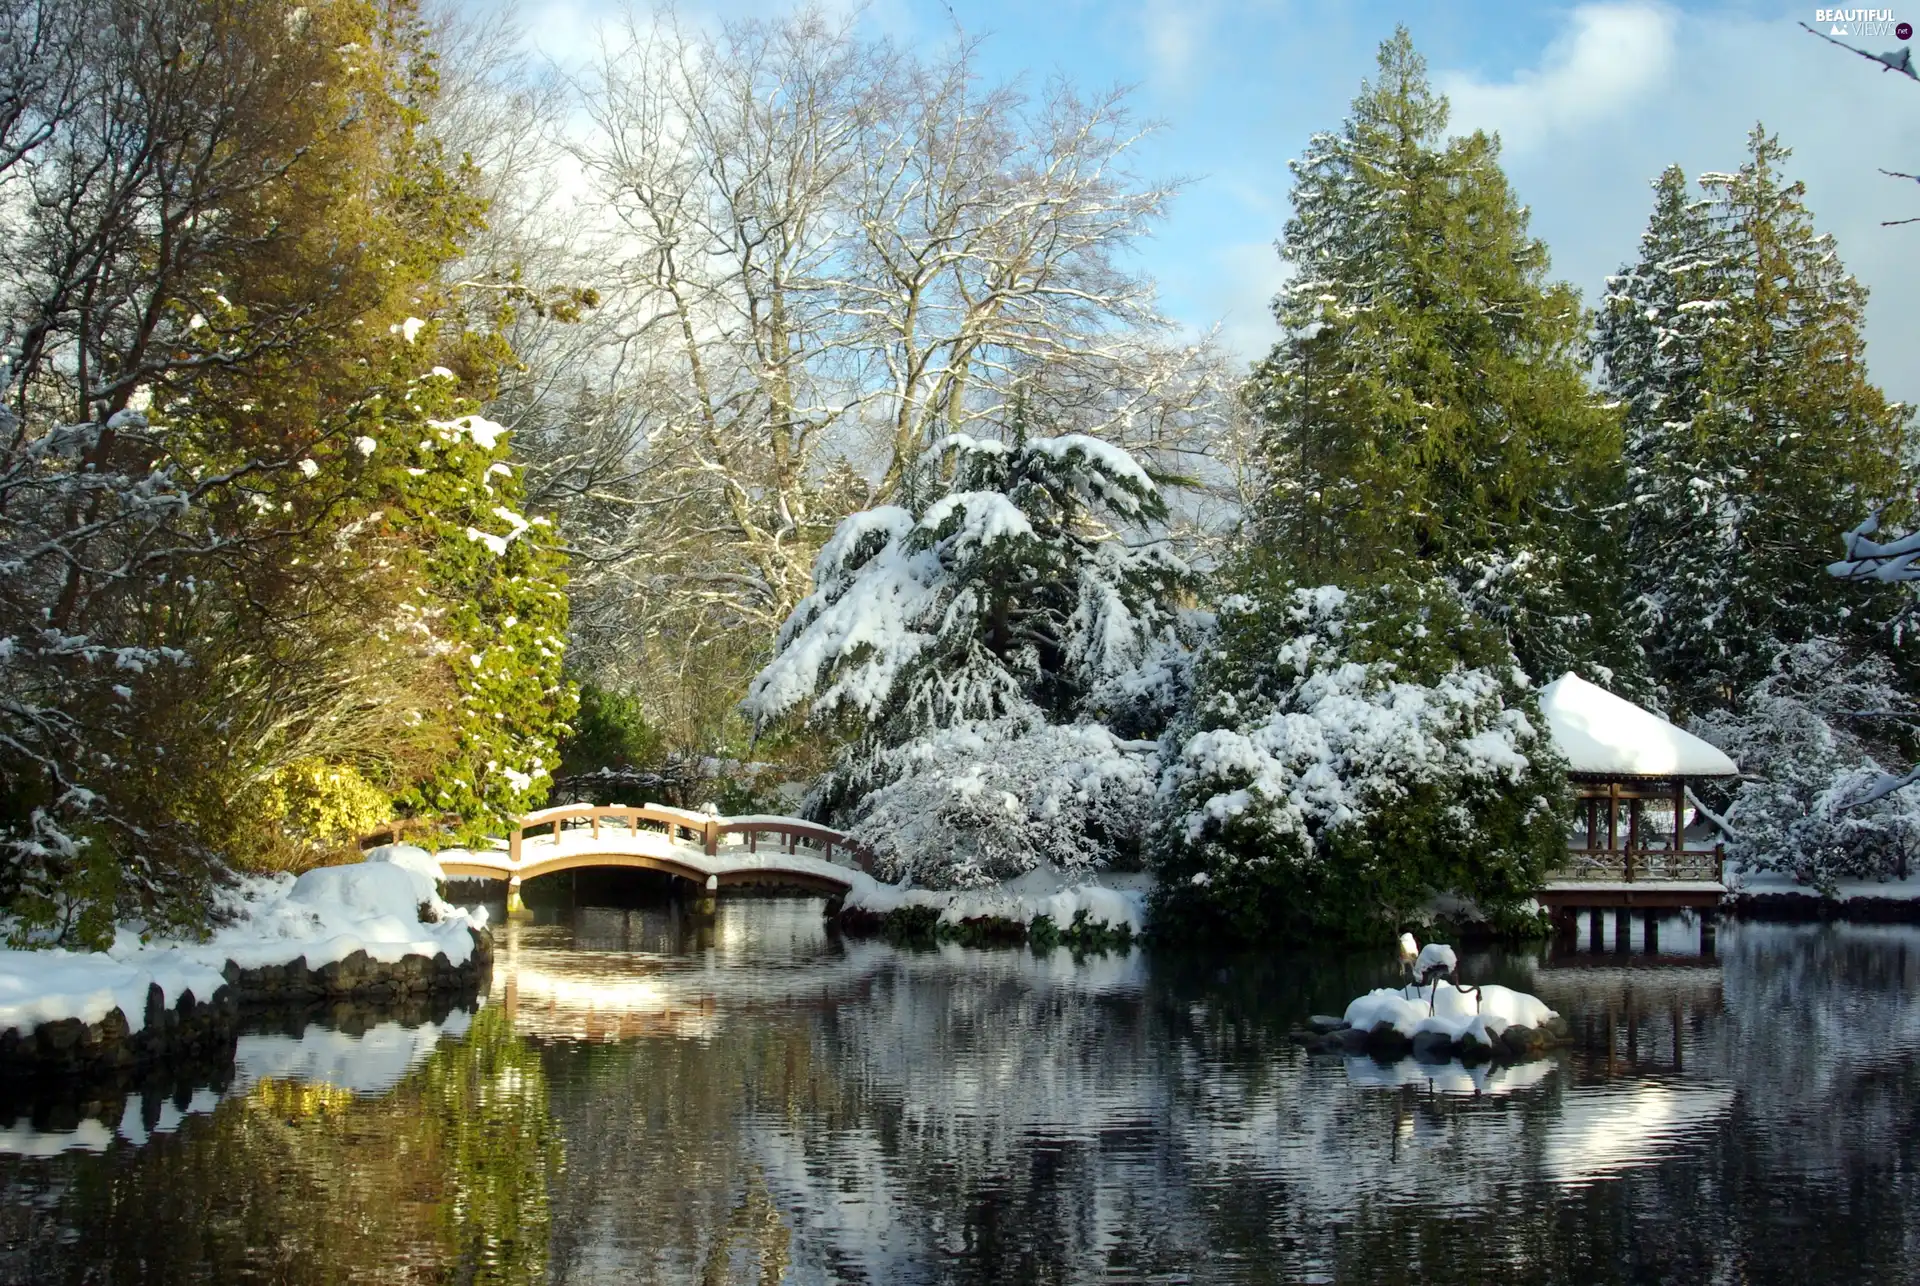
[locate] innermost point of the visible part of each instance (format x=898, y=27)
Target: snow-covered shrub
x=1350, y=754
x=1020, y=587
x=984, y=802
x=1804, y=739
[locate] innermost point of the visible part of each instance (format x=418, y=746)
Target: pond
x=648, y=1098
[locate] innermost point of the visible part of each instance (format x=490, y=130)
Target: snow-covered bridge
x=710, y=850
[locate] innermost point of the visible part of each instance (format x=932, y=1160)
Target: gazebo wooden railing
x=1621, y=845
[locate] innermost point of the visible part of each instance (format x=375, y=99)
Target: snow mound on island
x=1453, y=1011
x=330, y=912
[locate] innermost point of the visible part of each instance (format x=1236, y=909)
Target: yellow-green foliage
x=320, y=805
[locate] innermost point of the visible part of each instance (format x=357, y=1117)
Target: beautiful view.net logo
x=1863, y=22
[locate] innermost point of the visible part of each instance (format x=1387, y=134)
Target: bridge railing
x=792, y=832
x=677, y=823
x=1642, y=865
x=703, y=829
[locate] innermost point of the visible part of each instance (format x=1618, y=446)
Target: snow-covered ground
x=1766, y=883
x=1110, y=900
x=322, y=916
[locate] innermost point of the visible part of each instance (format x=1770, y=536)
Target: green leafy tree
x=232, y=227
x=1427, y=410
x=493, y=610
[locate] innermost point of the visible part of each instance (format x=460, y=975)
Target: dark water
x=642, y=1100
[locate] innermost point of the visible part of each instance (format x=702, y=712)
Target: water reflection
x=648, y=1096
x=369, y=1152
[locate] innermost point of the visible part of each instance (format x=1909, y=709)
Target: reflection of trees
x=659, y=1183
x=962, y=1116
x=486, y=1098
x=443, y=1178
x=849, y=1112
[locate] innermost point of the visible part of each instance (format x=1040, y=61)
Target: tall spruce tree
x=1427, y=410
x=1752, y=433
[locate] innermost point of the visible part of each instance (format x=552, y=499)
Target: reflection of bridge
x=709, y=850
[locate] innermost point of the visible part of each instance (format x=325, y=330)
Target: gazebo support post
x=1613, y=816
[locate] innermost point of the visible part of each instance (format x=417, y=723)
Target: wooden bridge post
x=513, y=845
x=712, y=836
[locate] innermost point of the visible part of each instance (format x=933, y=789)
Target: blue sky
x=1590, y=100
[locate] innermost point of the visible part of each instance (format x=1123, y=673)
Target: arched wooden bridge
x=709, y=850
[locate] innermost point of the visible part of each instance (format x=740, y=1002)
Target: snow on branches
x=1028, y=584
x=1813, y=800
x=1014, y=620
x=1349, y=754
x=984, y=802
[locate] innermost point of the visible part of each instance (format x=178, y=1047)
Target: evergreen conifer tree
x=1428, y=411
x=1752, y=432
x=989, y=644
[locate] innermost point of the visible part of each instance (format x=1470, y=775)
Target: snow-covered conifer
x=1021, y=586
x=1753, y=434
x=1348, y=756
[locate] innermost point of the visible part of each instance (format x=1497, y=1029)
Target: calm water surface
x=642, y=1099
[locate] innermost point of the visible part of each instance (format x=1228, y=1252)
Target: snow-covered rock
x=46, y=986
x=1435, y=956
x=1458, y=1013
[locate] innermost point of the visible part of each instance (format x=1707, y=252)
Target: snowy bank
x=376, y=929
x=1104, y=907
x=1777, y=894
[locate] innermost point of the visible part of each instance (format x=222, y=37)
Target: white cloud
x=1175, y=31
x=1609, y=60
x=1589, y=192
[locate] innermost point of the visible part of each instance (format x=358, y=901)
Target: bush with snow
x=1804, y=738
x=1349, y=755
x=1011, y=621
x=984, y=802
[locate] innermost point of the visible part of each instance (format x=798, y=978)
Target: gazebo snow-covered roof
x=1601, y=735
x=1633, y=842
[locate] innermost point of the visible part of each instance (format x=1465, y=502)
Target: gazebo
x=1630, y=769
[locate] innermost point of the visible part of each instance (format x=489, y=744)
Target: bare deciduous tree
x=819, y=256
